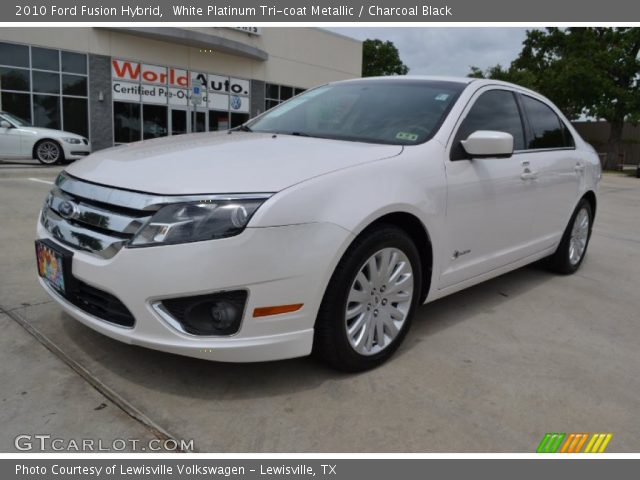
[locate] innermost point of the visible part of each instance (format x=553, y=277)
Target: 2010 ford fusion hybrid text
x=322, y=224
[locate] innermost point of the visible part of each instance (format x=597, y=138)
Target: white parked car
x=19, y=139
x=322, y=224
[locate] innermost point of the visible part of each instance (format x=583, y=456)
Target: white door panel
x=558, y=185
x=10, y=142
x=489, y=217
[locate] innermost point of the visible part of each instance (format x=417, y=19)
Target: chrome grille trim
x=137, y=200
x=97, y=217
x=81, y=238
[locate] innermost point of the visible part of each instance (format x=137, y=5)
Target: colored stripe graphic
x=573, y=442
x=550, y=443
x=598, y=443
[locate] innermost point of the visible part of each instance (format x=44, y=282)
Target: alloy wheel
x=379, y=301
x=48, y=152
x=579, y=236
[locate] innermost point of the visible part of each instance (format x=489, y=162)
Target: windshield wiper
x=244, y=128
x=300, y=134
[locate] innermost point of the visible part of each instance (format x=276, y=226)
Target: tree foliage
x=381, y=58
x=584, y=71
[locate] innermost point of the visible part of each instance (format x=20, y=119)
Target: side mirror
x=488, y=143
x=5, y=124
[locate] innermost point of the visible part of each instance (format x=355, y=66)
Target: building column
x=100, y=104
x=257, y=97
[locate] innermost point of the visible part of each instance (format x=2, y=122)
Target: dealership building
x=120, y=85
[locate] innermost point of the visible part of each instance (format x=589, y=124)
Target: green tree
x=381, y=58
x=584, y=71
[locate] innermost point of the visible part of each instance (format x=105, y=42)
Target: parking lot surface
x=490, y=369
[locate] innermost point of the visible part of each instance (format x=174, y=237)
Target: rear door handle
x=579, y=168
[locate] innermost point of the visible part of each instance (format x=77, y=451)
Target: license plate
x=52, y=265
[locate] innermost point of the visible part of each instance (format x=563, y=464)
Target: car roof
x=478, y=82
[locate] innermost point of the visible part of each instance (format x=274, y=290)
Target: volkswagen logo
x=236, y=102
x=68, y=209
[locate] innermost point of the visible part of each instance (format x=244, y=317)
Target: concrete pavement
x=490, y=369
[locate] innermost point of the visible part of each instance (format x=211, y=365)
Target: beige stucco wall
x=302, y=57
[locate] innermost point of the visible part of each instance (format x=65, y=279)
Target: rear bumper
x=276, y=265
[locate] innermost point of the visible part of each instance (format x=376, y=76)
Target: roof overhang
x=195, y=39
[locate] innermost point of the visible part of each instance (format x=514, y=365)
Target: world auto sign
x=140, y=82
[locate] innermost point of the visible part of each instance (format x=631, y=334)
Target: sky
x=446, y=51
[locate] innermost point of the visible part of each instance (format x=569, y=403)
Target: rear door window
x=547, y=130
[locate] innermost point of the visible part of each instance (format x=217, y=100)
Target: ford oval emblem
x=236, y=102
x=68, y=209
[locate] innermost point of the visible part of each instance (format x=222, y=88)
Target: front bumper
x=276, y=265
x=74, y=151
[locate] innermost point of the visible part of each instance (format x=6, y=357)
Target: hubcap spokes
x=48, y=152
x=379, y=301
x=579, y=237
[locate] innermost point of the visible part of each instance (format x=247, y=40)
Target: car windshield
x=17, y=121
x=401, y=112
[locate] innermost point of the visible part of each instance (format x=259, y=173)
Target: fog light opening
x=216, y=314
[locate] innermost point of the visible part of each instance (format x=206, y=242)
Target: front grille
x=92, y=217
x=99, y=304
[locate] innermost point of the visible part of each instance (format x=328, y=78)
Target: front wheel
x=367, y=308
x=573, y=246
x=49, y=152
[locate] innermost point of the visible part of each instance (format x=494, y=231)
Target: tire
x=575, y=240
x=379, y=314
x=49, y=152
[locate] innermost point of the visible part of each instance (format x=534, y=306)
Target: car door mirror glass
x=488, y=144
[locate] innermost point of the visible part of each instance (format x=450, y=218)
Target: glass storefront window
x=126, y=122
x=74, y=115
x=198, y=122
x=45, y=82
x=218, y=120
x=74, y=85
x=276, y=94
x=178, y=122
x=286, y=93
x=45, y=59
x=40, y=78
x=238, y=119
x=154, y=121
x=19, y=104
x=74, y=62
x=14, y=79
x=14, y=55
x=46, y=111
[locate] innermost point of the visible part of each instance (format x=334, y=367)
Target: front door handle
x=528, y=175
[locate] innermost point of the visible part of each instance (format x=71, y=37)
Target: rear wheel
x=370, y=300
x=49, y=152
x=574, y=243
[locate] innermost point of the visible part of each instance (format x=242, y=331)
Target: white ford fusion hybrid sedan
x=321, y=225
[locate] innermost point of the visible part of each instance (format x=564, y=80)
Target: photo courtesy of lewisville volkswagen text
x=334, y=248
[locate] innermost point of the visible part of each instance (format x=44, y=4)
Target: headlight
x=72, y=140
x=196, y=221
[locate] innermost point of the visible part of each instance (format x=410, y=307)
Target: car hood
x=49, y=132
x=240, y=162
